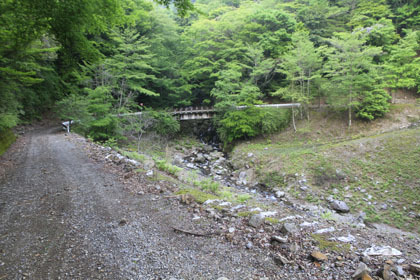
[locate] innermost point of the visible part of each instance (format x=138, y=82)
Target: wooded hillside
x=102, y=57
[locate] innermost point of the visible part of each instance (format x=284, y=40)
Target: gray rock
x=242, y=178
x=280, y=260
x=149, y=173
x=289, y=228
x=278, y=239
x=399, y=270
x=249, y=245
x=360, y=271
x=280, y=194
x=340, y=206
x=415, y=268
x=256, y=220
x=178, y=159
x=200, y=158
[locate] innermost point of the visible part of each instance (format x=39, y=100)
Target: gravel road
x=63, y=216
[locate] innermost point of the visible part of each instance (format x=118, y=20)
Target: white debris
x=325, y=230
x=290, y=218
x=257, y=209
x=381, y=251
x=307, y=224
x=211, y=201
x=268, y=213
x=225, y=203
x=239, y=206
x=347, y=239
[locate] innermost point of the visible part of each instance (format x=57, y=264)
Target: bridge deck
x=200, y=113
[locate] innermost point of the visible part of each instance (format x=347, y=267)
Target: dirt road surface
x=63, y=216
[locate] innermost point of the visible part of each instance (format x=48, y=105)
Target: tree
x=402, y=65
x=130, y=67
x=350, y=70
x=301, y=65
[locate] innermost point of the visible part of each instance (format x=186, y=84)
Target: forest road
x=63, y=216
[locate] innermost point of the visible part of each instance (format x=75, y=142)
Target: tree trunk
x=350, y=111
x=293, y=119
x=308, y=93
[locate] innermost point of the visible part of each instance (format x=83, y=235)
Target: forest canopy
x=104, y=57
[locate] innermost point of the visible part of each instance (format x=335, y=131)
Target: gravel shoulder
x=66, y=216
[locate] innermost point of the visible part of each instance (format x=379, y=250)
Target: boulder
x=361, y=271
x=256, y=220
x=318, y=256
x=200, y=158
x=340, y=206
x=289, y=228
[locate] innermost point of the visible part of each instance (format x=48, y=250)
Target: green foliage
x=163, y=165
x=250, y=122
x=7, y=138
x=91, y=112
x=164, y=123
x=351, y=71
x=374, y=105
x=208, y=185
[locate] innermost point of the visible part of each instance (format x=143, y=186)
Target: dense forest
x=92, y=59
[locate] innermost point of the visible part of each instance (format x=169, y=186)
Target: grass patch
x=331, y=246
x=199, y=196
x=7, y=137
x=163, y=165
x=243, y=197
x=271, y=220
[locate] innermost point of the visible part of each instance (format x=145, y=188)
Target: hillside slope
x=373, y=167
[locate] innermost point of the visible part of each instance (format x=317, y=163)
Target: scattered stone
x=231, y=230
x=289, y=228
x=318, y=256
x=256, y=220
x=249, y=245
x=278, y=239
x=307, y=224
x=361, y=270
x=123, y=222
x=325, y=230
x=200, y=158
x=280, y=194
x=381, y=251
x=340, y=206
x=222, y=278
x=149, y=173
x=280, y=260
x=399, y=270
x=347, y=239
x=385, y=273
x=415, y=268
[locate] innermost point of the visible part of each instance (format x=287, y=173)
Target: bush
x=251, y=122
x=164, y=123
x=374, y=105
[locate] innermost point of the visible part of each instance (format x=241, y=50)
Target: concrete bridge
x=204, y=113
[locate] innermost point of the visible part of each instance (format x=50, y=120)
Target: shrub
x=374, y=105
x=251, y=122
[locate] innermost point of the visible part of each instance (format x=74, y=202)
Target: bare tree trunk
x=293, y=119
x=308, y=93
x=350, y=106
